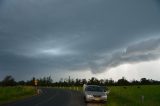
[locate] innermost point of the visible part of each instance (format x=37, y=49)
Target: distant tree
x=8, y=81
x=122, y=81
x=84, y=81
x=135, y=82
x=45, y=81
x=31, y=82
x=102, y=82
x=94, y=81
x=154, y=82
x=77, y=82
x=110, y=82
x=145, y=81
x=106, y=81
x=49, y=81
x=21, y=82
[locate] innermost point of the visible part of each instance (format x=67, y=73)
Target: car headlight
x=105, y=96
x=89, y=96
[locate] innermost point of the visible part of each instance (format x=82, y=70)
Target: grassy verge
x=134, y=96
x=9, y=94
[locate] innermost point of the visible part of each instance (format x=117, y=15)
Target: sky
x=80, y=38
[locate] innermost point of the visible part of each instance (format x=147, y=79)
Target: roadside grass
x=147, y=95
x=9, y=94
x=144, y=95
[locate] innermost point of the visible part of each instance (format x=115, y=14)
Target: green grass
x=132, y=96
x=9, y=94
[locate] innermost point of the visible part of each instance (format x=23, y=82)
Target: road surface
x=54, y=97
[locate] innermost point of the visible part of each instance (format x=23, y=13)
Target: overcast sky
x=80, y=38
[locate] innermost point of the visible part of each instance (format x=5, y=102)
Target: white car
x=94, y=93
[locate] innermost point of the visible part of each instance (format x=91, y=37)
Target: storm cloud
x=38, y=36
x=143, y=51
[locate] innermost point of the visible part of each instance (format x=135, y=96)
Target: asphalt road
x=54, y=97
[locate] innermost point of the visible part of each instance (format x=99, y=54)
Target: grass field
x=8, y=94
x=132, y=96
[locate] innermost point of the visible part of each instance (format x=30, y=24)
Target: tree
x=102, y=82
x=122, y=81
x=135, y=82
x=84, y=81
x=21, y=82
x=110, y=82
x=8, y=81
x=144, y=81
x=31, y=82
x=45, y=81
x=49, y=81
x=94, y=81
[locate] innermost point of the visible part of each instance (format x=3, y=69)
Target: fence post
x=142, y=99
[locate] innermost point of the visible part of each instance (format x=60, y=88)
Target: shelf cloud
x=147, y=50
x=53, y=36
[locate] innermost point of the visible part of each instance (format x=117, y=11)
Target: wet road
x=54, y=97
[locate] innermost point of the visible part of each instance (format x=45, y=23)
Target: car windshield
x=94, y=88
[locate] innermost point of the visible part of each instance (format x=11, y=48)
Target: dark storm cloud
x=59, y=35
x=143, y=51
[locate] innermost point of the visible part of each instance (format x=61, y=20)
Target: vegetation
x=8, y=81
x=47, y=81
x=146, y=95
x=8, y=94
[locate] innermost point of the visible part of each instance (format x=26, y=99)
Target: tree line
x=48, y=81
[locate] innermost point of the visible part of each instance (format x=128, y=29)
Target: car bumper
x=96, y=99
